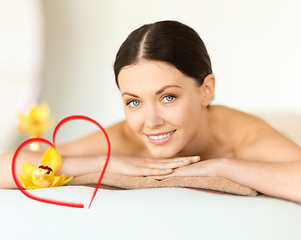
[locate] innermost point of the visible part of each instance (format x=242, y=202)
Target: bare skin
x=169, y=126
x=249, y=152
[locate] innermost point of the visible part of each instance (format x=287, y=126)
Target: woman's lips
x=160, y=138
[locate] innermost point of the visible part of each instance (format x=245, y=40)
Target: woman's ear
x=207, y=90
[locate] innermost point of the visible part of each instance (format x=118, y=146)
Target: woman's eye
x=134, y=103
x=168, y=98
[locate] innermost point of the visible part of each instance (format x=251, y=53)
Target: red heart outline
x=45, y=200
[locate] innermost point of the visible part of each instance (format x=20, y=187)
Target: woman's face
x=162, y=106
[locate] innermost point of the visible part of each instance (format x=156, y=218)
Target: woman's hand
x=146, y=166
x=207, y=168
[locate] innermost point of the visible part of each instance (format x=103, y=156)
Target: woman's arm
x=79, y=165
x=277, y=179
x=271, y=165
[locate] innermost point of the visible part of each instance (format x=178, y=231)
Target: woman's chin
x=162, y=154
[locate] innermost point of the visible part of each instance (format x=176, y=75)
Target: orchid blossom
x=43, y=176
x=37, y=122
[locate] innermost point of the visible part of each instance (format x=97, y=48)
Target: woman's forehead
x=149, y=67
x=150, y=73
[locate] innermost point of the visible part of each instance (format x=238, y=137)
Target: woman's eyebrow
x=130, y=94
x=157, y=93
x=165, y=87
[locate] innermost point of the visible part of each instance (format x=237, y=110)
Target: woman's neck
x=201, y=140
x=208, y=141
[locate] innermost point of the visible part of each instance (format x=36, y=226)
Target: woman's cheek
x=179, y=114
x=134, y=120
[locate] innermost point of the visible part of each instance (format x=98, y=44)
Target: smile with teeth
x=160, y=138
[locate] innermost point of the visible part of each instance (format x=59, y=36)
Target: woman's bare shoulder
x=255, y=139
x=238, y=126
x=238, y=120
x=123, y=140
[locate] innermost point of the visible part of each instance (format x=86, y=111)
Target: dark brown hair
x=168, y=41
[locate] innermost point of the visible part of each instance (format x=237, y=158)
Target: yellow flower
x=43, y=176
x=36, y=122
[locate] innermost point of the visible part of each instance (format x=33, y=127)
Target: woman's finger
x=178, y=159
x=154, y=171
x=164, y=164
x=205, y=168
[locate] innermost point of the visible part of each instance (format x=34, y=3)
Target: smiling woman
x=164, y=74
x=165, y=99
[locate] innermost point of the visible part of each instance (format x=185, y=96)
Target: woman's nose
x=153, y=118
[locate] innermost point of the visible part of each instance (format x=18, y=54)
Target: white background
x=21, y=61
x=255, y=49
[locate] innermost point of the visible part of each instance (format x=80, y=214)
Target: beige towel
x=129, y=182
